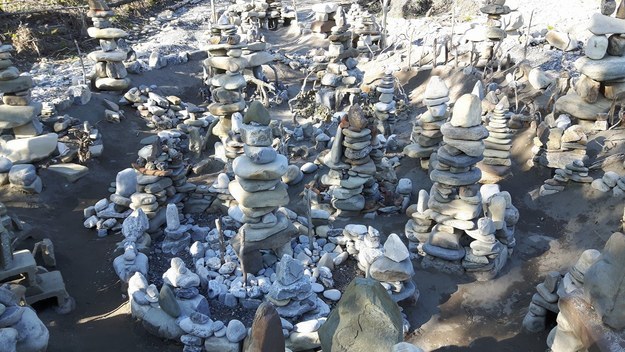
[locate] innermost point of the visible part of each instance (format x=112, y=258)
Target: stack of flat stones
x=340, y=73
x=419, y=226
x=385, y=107
x=219, y=189
x=486, y=255
x=494, y=31
x=601, y=68
x=226, y=84
x=575, y=171
x=562, y=146
x=426, y=135
x=454, y=193
x=543, y=301
x=497, y=163
x=352, y=170
x=610, y=182
x=324, y=17
x=292, y=292
x=395, y=269
x=259, y=192
x=274, y=13
x=177, y=238
x=110, y=72
x=18, y=111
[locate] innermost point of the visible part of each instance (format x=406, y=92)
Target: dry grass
x=30, y=5
x=24, y=40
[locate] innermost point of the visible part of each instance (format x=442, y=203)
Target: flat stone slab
x=15, y=116
x=72, y=172
x=609, y=68
x=575, y=106
x=27, y=150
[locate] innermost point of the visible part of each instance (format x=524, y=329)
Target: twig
x=222, y=245
x=241, y=253
x=527, y=35
x=310, y=230
x=82, y=64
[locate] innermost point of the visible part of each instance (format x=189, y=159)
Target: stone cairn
x=385, y=112
x=455, y=202
x=599, y=83
x=575, y=171
x=497, y=163
x=226, y=82
x=394, y=268
x=22, y=330
x=292, y=293
x=324, y=17
x=426, y=135
x=366, y=31
x=274, y=13
x=110, y=72
x=610, y=182
x=545, y=300
x=558, y=144
x=340, y=76
x=259, y=191
x=176, y=236
x=351, y=176
x=493, y=32
x=419, y=226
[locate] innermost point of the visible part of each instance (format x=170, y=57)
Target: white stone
x=395, y=249
x=596, y=47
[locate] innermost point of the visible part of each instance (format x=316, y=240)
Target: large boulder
x=266, y=334
x=604, y=282
x=365, y=319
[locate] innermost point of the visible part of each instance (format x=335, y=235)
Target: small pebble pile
x=110, y=72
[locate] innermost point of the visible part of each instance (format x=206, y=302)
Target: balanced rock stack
x=291, y=293
x=351, y=167
x=181, y=286
x=497, y=163
x=486, y=255
x=454, y=193
x=601, y=68
x=274, y=13
x=324, y=17
x=385, y=107
x=227, y=81
x=340, y=73
x=419, y=226
x=575, y=171
x=366, y=31
x=110, y=72
x=220, y=189
x=426, y=135
x=259, y=192
x=493, y=32
x=395, y=269
x=177, y=238
x=18, y=111
x=610, y=182
x=543, y=301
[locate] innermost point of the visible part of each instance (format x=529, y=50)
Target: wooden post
x=222, y=244
x=527, y=35
x=384, y=14
x=311, y=236
x=241, y=253
x=214, y=11
x=410, y=49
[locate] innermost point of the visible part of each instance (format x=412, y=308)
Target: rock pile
x=497, y=163
x=544, y=300
x=394, y=268
x=259, y=192
x=599, y=83
x=291, y=293
x=351, y=169
x=22, y=330
x=110, y=72
x=559, y=144
x=366, y=30
x=610, y=182
x=426, y=135
x=324, y=17
x=385, y=112
x=419, y=226
x=129, y=263
x=494, y=31
x=176, y=236
x=575, y=171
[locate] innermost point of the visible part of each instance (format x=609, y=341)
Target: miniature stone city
x=321, y=225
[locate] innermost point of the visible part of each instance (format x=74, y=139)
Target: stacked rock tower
x=259, y=191
x=426, y=135
x=18, y=111
x=493, y=31
x=352, y=170
x=226, y=82
x=497, y=163
x=385, y=107
x=110, y=72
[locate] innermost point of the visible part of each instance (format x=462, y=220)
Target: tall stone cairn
x=110, y=72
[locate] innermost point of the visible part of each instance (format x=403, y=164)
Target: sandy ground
x=452, y=314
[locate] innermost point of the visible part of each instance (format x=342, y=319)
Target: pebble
x=332, y=294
